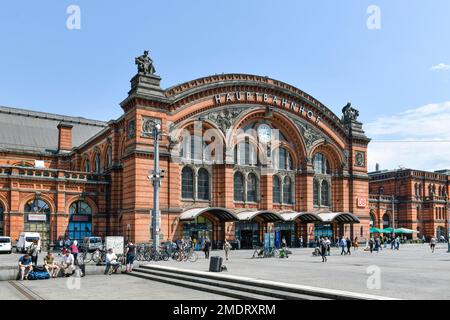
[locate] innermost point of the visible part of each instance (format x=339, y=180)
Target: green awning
x=399, y=231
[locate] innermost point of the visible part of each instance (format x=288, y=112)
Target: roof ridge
x=51, y=116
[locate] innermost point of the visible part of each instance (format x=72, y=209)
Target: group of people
x=377, y=244
x=67, y=265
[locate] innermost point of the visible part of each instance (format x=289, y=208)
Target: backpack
x=39, y=269
x=38, y=275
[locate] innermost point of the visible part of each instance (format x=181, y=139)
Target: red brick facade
x=119, y=159
x=420, y=201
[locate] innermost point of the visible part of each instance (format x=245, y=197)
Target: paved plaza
x=413, y=272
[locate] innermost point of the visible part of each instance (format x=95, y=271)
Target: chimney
x=64, y=137
x=377, y=167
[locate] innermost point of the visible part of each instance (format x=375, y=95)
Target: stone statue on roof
x=349, y=113
x=145, y=64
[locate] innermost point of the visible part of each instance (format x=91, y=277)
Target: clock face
x=264, y=133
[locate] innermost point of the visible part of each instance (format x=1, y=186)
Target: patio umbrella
x=387, y=230
x=405, y=231
x=375, y=230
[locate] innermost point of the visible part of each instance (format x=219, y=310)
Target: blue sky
x=322, y=47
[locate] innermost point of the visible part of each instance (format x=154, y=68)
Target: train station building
x=243, y=155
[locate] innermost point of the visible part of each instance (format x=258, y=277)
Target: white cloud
x=441, y=67
x=417, y=138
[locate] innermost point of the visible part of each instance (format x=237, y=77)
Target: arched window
x=109, y=157
x=238, y=187
x=287, y=190
x=372, y=220
x=381, y=190
x=203, y=184
x=252, y=188
x=321, y=165
x=276, y=187
x=37, y=205
x=97, y=163
x=386, y=221
x=245, y=153
x=86, y=165
x=284, y=159
x=316, y=192
x=324, y=193
x=187, y=183
x=80, y=207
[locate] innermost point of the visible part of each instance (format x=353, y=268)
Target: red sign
x=76, y=218
x=361, y=202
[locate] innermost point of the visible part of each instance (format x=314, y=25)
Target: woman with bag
x=226, y=248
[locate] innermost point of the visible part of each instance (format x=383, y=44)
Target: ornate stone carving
x=309, y=135
x=145, y=64
x=147, y=126
x=224, y=118
x=349, y=113
x=131, y=129
x=359, y=159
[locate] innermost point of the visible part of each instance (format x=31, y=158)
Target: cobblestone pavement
x=413, y=272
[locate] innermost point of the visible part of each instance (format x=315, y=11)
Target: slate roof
x=36, y=132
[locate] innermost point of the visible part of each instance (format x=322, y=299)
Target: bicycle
x=99, y=256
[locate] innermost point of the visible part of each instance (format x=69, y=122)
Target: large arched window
x=97, y=163
x=321, y=165
x=238, y=187
x=276, y=187
x=203, y=184
x=316, y=192
x=252, y=183
x=80, y=207
x=284, y=159
x=287, y=190
x=245, y=153
x=37, y=205
x=187, y=183
x=325, y=193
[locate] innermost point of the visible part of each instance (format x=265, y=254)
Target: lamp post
x=155, y=178
x=393, y=217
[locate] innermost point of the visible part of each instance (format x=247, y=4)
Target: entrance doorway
x=37, y=219
x=248, y=234
x=80, y=221
x=199, y=230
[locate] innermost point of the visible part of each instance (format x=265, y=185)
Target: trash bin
x=215, y=264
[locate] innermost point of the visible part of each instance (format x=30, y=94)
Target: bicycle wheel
x=96, y=257
x=193, y=257
x=175, y=255
x=87, y=257
x=165, y=256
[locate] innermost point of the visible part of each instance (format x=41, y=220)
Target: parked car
x=26, y=239
x=5, y=244
x=92, y=243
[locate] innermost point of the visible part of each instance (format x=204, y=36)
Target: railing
x=46, y=173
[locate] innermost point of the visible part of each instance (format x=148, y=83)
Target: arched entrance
x=298, y=222
x=37, y=219
x=386, y=221
x=80, y=221
x=200, y=223
x=253, y=224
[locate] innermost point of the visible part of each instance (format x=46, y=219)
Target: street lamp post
x=393, y=217
x=155, y=178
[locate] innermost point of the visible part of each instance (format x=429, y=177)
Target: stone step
x=249, y=288
x=193, y=284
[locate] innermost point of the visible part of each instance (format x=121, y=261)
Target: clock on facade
x=264, y=132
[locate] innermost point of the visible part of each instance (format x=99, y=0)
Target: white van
x=5, y=244
x=26, y=239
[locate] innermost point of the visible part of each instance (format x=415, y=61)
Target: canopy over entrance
x=222, y=213
x=303, y=216
x=266, y=216
x=341, y=217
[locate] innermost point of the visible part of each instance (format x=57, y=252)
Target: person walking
x=432, y=244
x=377, y=244
x=349, y=245
x=328, y=244
x=397, y=243
x=371, y=244
x=301, y=242
x=207, y=247
x=343, y=245
x=130, y=254
x=34, y=252
x=226, y=248
x=323, y=250
x=74, y=250
x=355, y=244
